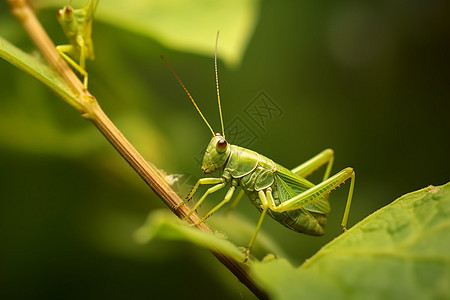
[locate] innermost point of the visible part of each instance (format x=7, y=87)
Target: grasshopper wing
x=291, y=185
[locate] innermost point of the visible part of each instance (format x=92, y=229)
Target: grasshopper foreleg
x=221, y=182
x=218, y=206
x=235, y=202
x=194, y=189
x=62, y=50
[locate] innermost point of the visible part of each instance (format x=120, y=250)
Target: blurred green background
x=369, y=80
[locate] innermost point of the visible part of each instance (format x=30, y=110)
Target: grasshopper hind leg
x=322, y=189
x=308, y=167
x=327, y=157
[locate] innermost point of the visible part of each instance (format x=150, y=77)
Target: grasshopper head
x=216, y=154
x=65, y=14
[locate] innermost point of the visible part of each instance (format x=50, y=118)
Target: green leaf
x=183, y=25
x=163, y=224
x=401, y=251
x=36, y=128
x=239, y=230
x=36, y=68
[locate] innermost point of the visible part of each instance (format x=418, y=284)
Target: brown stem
x=91, y=110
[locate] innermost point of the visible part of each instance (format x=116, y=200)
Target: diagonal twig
x=89, y=108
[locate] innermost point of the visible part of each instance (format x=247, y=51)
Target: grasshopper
x=285, y=195
x=77, y=26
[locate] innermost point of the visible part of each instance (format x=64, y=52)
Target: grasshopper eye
x=221, y=146
x=68, y=11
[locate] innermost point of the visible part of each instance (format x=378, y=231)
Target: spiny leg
x=265, y=206
x=349, y=203
x=306, y=168
x=311, y=195
x=194, y=189
x=218, y=206
x=209, y=191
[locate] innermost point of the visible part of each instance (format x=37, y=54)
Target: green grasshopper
x=77, y=26
x=283, y=194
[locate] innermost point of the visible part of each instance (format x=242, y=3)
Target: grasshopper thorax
x=216, y=154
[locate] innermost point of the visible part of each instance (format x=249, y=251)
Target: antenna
x=187, y=92
x=217, y=85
